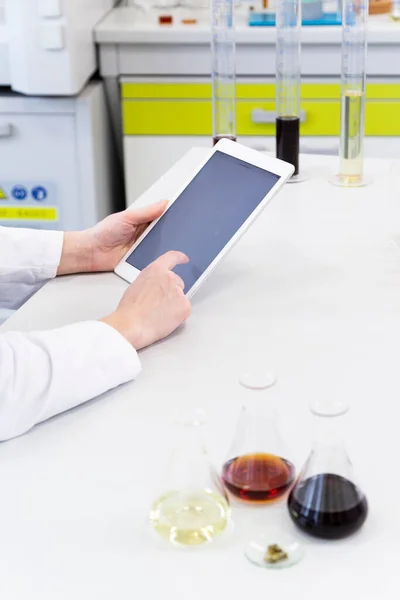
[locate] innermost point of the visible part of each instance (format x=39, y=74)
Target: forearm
x=76, y=256
x=46, y=373
x=28, y=258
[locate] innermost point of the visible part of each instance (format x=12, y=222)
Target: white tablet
x=210, y=212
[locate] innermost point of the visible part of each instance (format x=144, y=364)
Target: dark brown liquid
x=223, y=137
x=165, y=20
x=328, y=506
x=258, y=477
x=288, y=140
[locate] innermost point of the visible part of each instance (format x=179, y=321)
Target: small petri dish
x=257, y=550
x=257, y=379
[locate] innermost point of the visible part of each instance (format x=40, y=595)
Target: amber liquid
x=223, y=137
x=328, y=506
x=258, y=478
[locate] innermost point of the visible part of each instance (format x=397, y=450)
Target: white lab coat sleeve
x=28, y=258
x=45, y=373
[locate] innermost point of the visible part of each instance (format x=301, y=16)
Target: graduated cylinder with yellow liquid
x=352, y=109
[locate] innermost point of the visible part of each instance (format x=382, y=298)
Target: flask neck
x=329, y=433
x=256, y=403
x=189, y=440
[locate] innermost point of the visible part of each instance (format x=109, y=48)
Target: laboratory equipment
x=165, y=19
x=352, y=110
x=223, y=70
x=50, y=47
x=396, y=10
x=326, y=502
x=257, y=469
x=274, y=549
x=288, y=29
x=192, y=508
x=379, y=7
x=59, y=169
x=312, y=13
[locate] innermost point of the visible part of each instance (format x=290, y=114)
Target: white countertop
x=313, y=289
x=130, y=25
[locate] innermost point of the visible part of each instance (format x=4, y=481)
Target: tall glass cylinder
x=352, y=110
x=396, y=10
x=223, y=70
x=288, y=72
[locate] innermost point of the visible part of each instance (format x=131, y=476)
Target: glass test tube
x=223, y=70
x=396, y=10
x=352, y=108
x=288, y=71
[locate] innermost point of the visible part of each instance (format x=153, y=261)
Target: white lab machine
x=58, y=159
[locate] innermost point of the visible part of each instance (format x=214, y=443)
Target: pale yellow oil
x=351, y=139
x=190, y=518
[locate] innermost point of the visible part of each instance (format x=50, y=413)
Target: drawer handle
x=5, y=130
x=259, y=115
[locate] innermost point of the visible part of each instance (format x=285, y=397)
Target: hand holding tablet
x=210, y=213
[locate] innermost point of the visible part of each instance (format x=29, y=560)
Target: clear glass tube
x=223, y=70
x=352, y=109
x=288, y=73
x=396, y=10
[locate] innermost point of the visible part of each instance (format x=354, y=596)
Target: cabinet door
x=148, y=157
x=38, y=171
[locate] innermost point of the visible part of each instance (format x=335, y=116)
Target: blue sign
x=39, y=193
x=19, y=192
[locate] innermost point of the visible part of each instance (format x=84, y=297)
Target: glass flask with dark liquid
x=326, y=502
x=257, y=469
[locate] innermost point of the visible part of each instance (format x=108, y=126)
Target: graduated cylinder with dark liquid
x=217, y=138
x=258, y=477
x=288, y=140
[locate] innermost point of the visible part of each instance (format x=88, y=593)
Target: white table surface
x=313, y=289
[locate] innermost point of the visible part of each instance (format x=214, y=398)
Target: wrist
x=76, y=256
x=131, y=334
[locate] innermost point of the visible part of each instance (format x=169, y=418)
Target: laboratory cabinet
x=57, y=161
x=163, y=120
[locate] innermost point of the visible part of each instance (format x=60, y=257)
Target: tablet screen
x=206, y=215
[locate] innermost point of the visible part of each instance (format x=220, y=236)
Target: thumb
x=146, y=214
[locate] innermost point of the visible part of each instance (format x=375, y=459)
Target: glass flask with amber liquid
x=191, y=508
x=326, y=501
x=257, y=469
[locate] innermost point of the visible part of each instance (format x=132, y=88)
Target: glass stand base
x=297, y=178
x=349, y=182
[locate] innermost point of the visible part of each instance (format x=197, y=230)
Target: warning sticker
x=28, y=213
x=3, y=195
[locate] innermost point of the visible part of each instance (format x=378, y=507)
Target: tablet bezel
x=273, y=165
